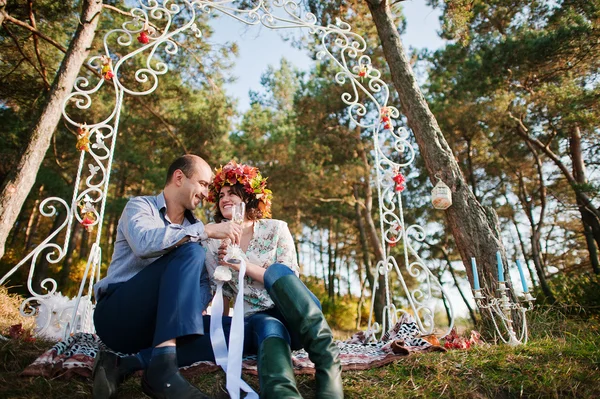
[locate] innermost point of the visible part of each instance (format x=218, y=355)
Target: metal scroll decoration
x=134, y=68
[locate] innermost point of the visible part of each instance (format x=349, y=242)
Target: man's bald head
x=188, y=164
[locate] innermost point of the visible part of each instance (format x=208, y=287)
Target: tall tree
x=474, y=227
x=531, y=65
x=20, y=180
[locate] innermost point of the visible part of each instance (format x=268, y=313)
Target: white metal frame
x=367, y=99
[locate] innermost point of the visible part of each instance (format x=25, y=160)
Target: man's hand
x=222, y=230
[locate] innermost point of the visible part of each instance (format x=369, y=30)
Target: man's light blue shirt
x=144, y=234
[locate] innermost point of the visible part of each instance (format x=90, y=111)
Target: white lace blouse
x=271, y=243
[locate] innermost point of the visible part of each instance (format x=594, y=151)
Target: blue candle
x=500, y=268
x=523, y=281
x=475, y=276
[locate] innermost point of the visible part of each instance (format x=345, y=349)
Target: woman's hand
x=253, y=271
x=222, y=254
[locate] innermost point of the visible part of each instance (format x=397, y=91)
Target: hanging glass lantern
x=441, y=195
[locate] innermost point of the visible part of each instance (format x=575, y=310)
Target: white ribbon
x=230, y=361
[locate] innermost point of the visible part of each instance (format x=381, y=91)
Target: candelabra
x=501, y=308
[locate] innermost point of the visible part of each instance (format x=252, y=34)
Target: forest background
x=515, y=92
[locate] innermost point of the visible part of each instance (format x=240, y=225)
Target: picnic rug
x=75, y=356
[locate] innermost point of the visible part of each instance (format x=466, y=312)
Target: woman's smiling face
x=227, y=198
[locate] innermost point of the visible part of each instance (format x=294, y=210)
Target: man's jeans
x=163, y=301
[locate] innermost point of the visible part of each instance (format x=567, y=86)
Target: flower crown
x=248, y=176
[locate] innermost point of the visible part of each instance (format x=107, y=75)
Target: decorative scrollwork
x=394, y=231
x=55, y=251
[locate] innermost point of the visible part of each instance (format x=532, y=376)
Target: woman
x=280, y=312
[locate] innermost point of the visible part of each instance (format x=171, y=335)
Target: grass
x=561, y=360
x=9, y=312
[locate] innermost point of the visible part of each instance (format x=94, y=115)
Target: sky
x=260, y=47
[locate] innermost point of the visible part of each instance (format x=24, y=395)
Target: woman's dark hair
x=252, y=211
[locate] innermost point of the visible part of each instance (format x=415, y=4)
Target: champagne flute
x=238, y=211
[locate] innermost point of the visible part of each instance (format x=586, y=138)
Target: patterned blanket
x=75, y=356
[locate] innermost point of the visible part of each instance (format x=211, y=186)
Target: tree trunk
x=83, y=244
x=372, y=232
x=312, y=261
x=298, y=237
x=337, y=262
x=68, y=260
x=523, y=249
x=349, y=287
x=581, y=195
x=522, y=243
x=34, y=219
x=120, y=186
x=2, y=7
x=111, y=233
x=322, y=261
x=536, y=228
x=472, y=178
x=297, y=243
x=359, y=303
x=20, y=180
x=32, y=224
x=589, y=240
x=475, y=228
x=330, y=261
x=380, y=301
x=591, y=226
x=445, y=302
x=17, y=229
x=363, y=240
x=369, y=231
x=539, y=267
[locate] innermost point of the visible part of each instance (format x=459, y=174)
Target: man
x=156, y=287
